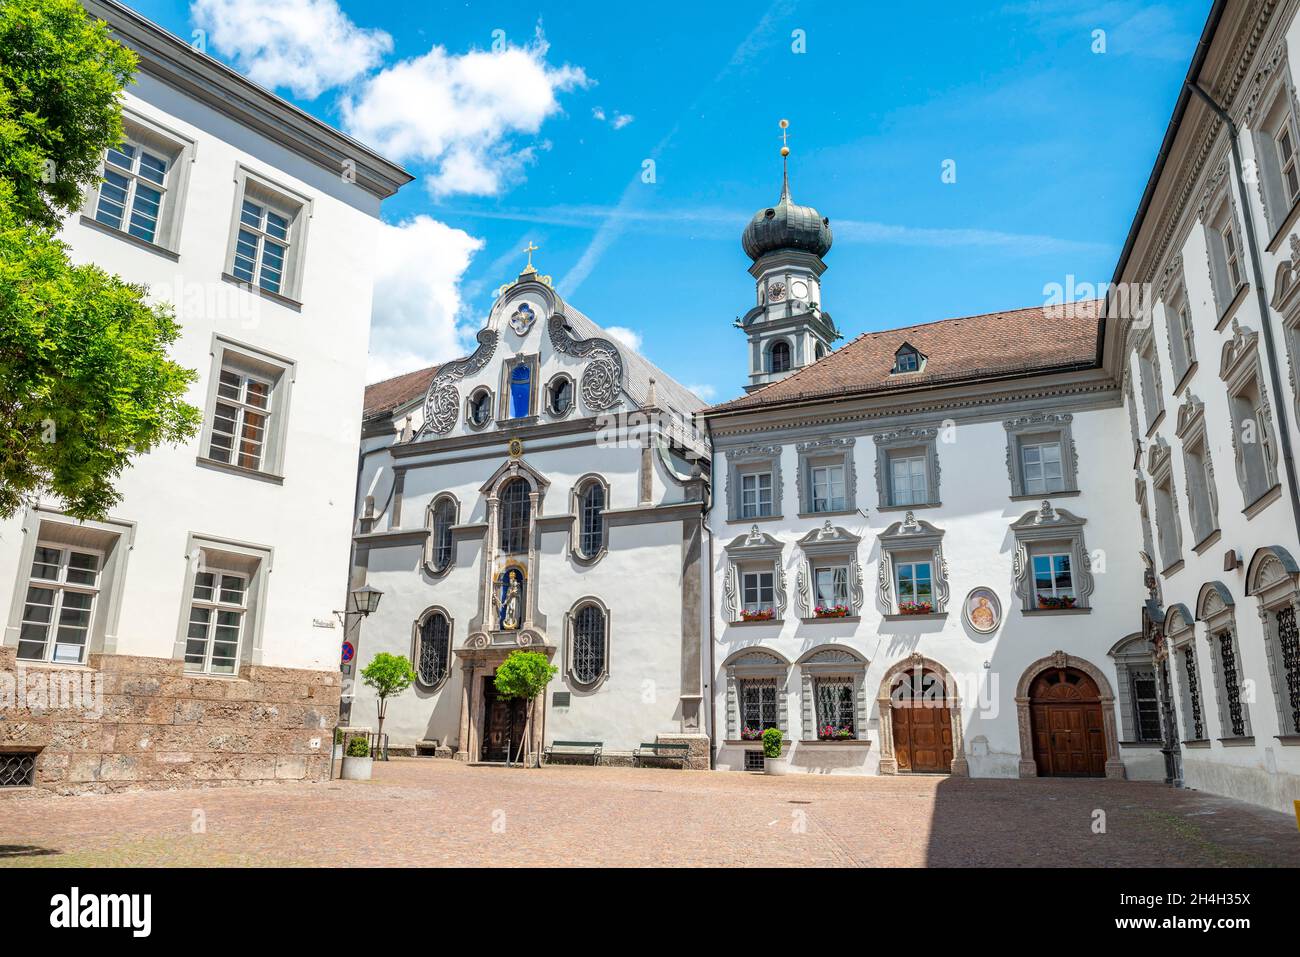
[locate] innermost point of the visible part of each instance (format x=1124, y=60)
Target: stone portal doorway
x=1066, y=717
x=504, y=721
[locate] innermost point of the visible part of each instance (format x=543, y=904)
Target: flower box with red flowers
x=831, y=611
x=763, y=614
x=915, y=608
x=830, y=732
x=751, y=734
x=1055, y=602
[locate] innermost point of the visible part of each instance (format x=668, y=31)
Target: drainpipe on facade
x=1266, y=323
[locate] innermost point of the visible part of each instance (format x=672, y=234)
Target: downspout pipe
x=1265, y=321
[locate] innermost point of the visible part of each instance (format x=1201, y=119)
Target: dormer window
x=907, y=359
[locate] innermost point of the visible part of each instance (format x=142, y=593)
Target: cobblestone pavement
x=432, y=812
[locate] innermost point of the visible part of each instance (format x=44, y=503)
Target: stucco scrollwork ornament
x=478, y=640
x=600, y=381
x=803, y=592
x=522, y=319
x=441, y=402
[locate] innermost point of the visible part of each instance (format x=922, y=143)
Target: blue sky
x=533, y=122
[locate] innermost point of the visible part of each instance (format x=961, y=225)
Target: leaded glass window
x=444, y=517
x=588, y=644
x=434, y=654
x=833, y=698
x=593, y=519
x=1231, y=685
x=515, y=517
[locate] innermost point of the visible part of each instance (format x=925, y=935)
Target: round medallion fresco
x=982, y=610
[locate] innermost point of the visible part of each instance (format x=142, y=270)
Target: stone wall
x=129, y=722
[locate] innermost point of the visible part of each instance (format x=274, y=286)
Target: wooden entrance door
x=503, y=724
x=922, y=724
x=1065, y=719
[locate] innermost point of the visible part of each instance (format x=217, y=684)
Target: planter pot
x=777, y=766
x=357, y=769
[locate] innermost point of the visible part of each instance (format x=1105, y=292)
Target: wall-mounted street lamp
x=364, y=601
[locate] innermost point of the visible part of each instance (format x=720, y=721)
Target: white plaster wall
x=307, y=520
x=978, y=544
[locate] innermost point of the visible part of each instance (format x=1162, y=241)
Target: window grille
x=435, y=647
x=1231, y=687
x=757, y=706
x=1288, y=639
x=835, y=708
x=17, y=769
x=589, y=644
x=1193, y=693
x=754, y=760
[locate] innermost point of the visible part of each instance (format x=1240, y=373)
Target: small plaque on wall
x=560, y=699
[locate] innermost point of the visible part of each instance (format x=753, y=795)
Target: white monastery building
x=196, y=624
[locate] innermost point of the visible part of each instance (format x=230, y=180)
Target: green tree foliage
x=772, y=743
x=61, y=76
x=388, y=675
x=85, y=378
x=524, y=674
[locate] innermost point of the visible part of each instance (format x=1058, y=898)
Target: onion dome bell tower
x=787, y=328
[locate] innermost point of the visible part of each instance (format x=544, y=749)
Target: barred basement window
x=754, y=760
x=834, y=704
x=589, y=645
x=757, y=706
x=433, y=656
x=17, y=769
x=1231, y=686
x=593, y=520
x=1193, y=694
x=1288, y=639
x=515, y=517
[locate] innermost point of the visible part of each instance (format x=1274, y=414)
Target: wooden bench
x=647, y=749
x=576, y=747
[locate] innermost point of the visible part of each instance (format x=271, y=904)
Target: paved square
x=429, y=812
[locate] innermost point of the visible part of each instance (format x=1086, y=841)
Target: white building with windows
x=546, y=493
x=198, y=618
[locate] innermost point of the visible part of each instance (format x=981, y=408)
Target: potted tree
x=772, y=763
x=388, y=675
x=524, y=674
x=358, y=765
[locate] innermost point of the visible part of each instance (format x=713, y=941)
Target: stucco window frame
x=551, y=385
x=417, y=640
x=469, y=404
x=282, y=372
x=1180, y=635
x=570, y=639
x=1177, y=307
x=576, y=495
x=251, y=184
x=1217, y=609
x=1150, y=385
x=919, y=540
x=1132, y=655
x=760, y=663
x=1198, y=473
x=1169, y=528
x=1033, y=429
x=431, y=542
x=828, y=545
x=891, y=445
x=748, y=460
x=1218, y=215
x=756, y=551
x=1045, y=528
x=832, y=661
x=1241, y=369
x=1279, y=105
x=817, y=453
x=256, y=563
x=181, y=153
x=1273, y=580
x=113, y=538
x=504, y=398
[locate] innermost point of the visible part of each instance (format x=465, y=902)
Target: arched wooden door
x=922, y=723
x=1065, y=719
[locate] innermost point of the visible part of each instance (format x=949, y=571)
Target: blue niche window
x=521, y=391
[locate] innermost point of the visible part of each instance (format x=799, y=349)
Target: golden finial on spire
x=785, y=162
x=785, y=137
x=530, y=249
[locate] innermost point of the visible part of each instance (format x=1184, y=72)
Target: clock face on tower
x=776, y=291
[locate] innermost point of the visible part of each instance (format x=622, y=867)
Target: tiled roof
x=971, y=348
x=384, y=397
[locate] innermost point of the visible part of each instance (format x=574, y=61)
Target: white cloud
x=461, y=113
x=417, y=302
x=617, y=121
x=625, y=336
x=307, y=46
x=705, y=392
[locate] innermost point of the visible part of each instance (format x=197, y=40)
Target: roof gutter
x=1171, y=133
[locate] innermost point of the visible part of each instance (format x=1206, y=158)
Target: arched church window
x=588, y=661
x=821, y=351
x=780, y=357
x=515, y=517
x=521, y=391
x=480, y=408
x=560, y=398
x=592, y=503
x=433, y=648
x=444, y=517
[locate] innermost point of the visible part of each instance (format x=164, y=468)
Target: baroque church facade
x=995, y=545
